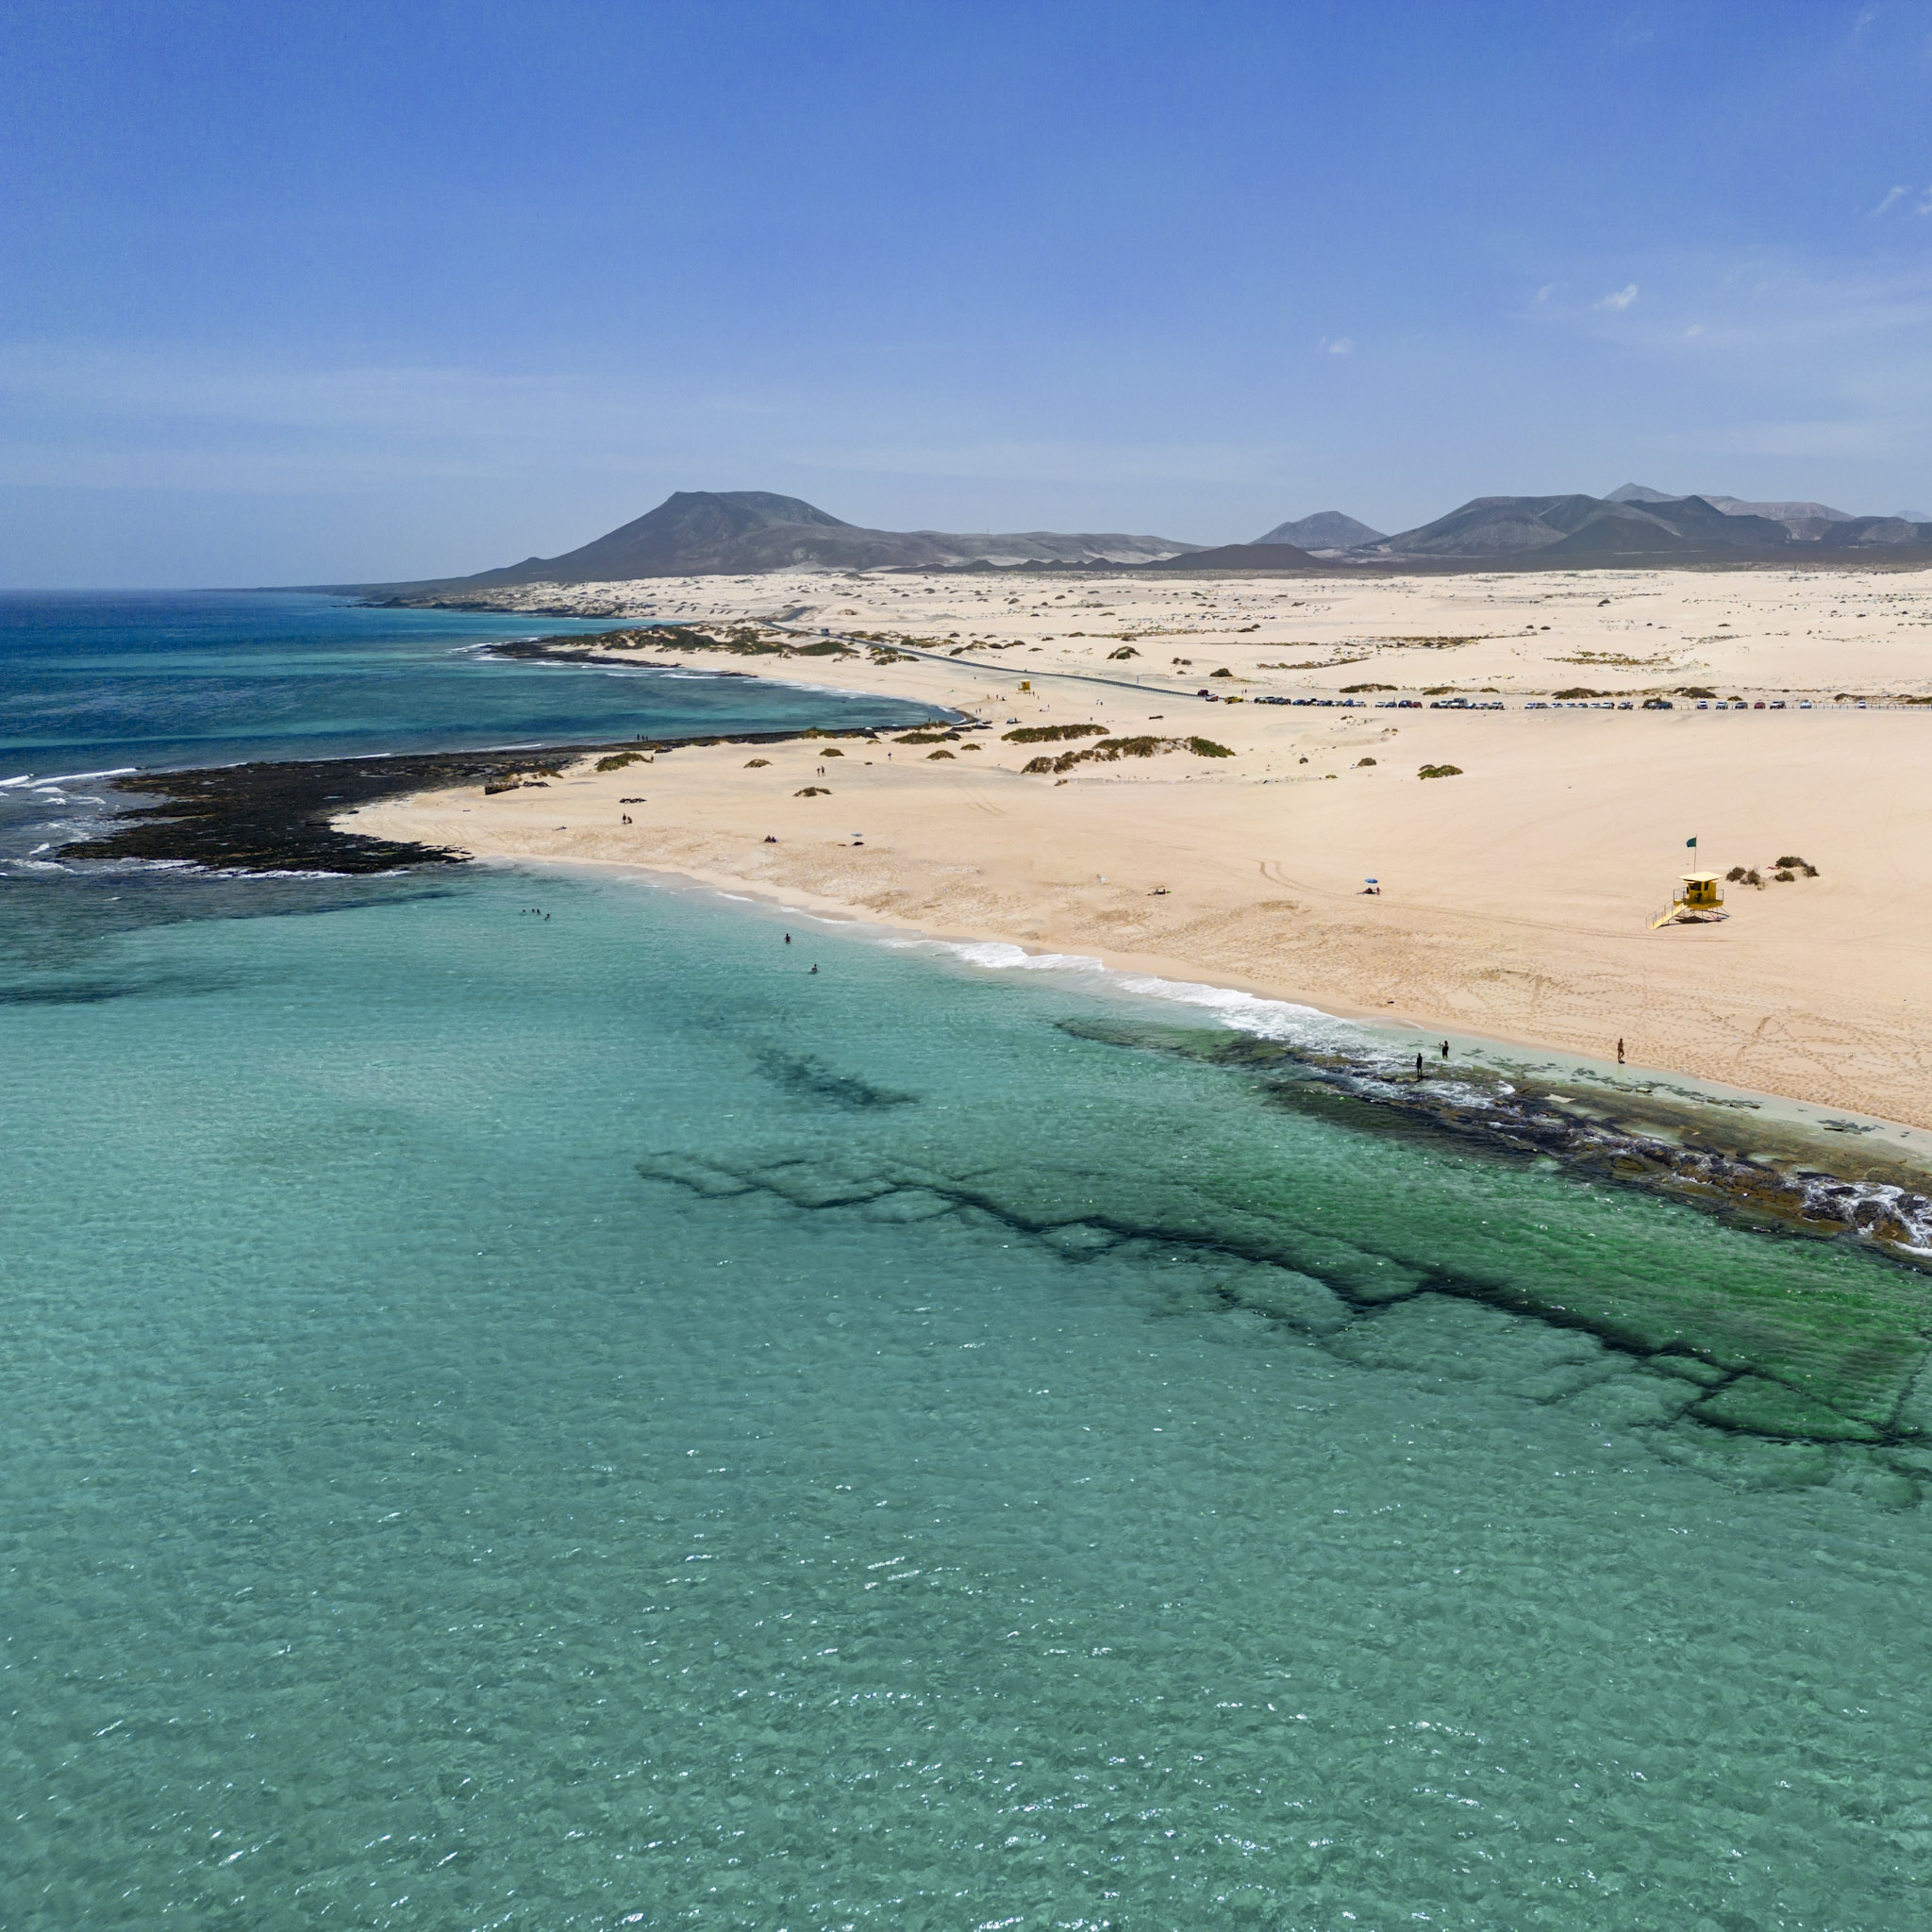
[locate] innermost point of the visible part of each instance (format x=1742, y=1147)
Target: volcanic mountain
x=741, y=532
x=1327, y=529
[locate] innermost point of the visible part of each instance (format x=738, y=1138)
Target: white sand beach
x=1515, y=895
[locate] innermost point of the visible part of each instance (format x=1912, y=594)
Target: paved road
x=1000, y=671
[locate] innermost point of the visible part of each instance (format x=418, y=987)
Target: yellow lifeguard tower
x=1698, y=901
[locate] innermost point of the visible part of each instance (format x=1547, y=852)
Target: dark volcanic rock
x=276, y=817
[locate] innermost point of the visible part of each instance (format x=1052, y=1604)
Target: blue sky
x=293, y=293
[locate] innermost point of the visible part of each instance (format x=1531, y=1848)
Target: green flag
x=1691, y=845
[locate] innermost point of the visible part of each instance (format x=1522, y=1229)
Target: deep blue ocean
x=533, y=1422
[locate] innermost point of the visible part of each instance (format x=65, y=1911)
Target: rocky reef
x=280, y=818
x=1834, y=1365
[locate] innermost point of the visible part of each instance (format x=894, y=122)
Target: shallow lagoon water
x=576, y=1420
x=522, y=1421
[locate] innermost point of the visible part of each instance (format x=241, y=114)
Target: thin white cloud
x=1894, y=193
x=1621, y=300
x=1342, y=346
x=1924, y=206
x=1547, y=290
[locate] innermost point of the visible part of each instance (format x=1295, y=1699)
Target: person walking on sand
x=1620, y=1050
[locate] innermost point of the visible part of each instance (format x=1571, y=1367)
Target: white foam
x=996, y=956
x=1242, y=1013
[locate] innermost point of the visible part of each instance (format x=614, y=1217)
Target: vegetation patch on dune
x=1109, y=749
x=742, y=640
x=1047, y=734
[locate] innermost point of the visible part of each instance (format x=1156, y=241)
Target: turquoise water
x=181, y=678
x=576, y=1420
x=523, y=1420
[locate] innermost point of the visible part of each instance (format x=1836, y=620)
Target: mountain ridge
x=1635, y=524
x=751, y=532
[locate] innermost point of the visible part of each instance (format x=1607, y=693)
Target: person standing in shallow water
x=1620, y=1050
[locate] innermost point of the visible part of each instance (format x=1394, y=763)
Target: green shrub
x=1439, y=771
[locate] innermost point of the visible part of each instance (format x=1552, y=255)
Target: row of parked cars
x=1333, y=704
x=1380, y=703
x=1530, y=705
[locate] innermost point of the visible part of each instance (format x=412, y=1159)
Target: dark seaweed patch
x=97, y=993
x=811, y=1079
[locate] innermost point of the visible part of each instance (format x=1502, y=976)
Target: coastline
x=1086, y=810
x=1515, y=900
x=1513, y=915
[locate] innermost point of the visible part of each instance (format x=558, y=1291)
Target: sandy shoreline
x=1515, y=896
